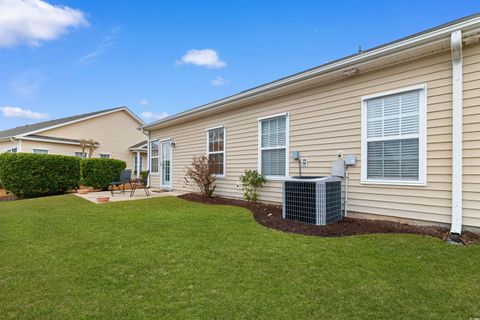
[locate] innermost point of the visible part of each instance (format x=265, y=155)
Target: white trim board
x=422, y=138
x=207, y=152
x=287, y=145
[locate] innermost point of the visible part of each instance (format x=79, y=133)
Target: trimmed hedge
x=99, y=172
x=28, y=175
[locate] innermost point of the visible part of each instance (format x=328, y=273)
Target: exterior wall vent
x=315, y=200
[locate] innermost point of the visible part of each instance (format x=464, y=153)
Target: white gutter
x=457, y=131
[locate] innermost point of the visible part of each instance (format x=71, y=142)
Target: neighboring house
x=397, y=107
x=115, y=131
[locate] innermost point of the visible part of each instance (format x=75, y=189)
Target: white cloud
x=148, y=115
x=33, y=21
x=218, y=81
x=105, y=44
x=17, y=112
x=144, y=102
x=28, y=82
x=205, y=58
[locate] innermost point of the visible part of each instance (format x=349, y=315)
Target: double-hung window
x=393, y=137
x=40, y=151
x=136, y=163
x=273, y=146
x=154, y=156
x=216, y=149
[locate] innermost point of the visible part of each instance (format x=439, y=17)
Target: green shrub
x=28, y=175
x=143, y=174
x=251, y=182
x=99, y=172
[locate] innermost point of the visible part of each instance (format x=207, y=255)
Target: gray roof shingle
x=138, y=145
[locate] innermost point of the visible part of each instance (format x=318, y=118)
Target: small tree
x=90, y=145
x=202, y=174
x=251, y=182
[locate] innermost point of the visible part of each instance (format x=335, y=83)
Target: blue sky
x=152, y=55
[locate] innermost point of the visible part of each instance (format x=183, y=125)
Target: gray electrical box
x=338, y=168
x=295, y=155
x=350, y=160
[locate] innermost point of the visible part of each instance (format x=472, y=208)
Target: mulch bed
x=4, y=196
x=270, y=216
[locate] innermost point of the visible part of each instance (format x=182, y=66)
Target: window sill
x=219, y=176
x=395, y=183
x=276, y=178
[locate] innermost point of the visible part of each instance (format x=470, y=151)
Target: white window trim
x=287, y=145
x=160, y=170
x=422, y=138
x=43, y=149
x=85, y=153
x=105, y=154
x=135, y=161
x=217, y=152
x=10, y=150
x=150, y=158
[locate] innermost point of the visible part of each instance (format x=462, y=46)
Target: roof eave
x=348, y=62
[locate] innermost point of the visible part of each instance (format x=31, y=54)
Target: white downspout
x=457, y=131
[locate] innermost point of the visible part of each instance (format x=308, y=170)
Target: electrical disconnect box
x=295, y=155
x=350, y=160
x=338, y=168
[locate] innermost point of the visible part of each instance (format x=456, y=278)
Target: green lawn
x=65, y=258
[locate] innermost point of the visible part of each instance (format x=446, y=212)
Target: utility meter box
x=338, y=168
x=350, y=160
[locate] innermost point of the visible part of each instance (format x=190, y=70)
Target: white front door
x=166, y=164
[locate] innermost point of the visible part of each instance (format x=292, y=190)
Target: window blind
x=393, y=136
x=273, y=146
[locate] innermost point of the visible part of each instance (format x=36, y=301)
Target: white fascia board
x=49, y=141
x=347, y=62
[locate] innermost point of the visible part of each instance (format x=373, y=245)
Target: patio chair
x=124, y=178
x=140, y=183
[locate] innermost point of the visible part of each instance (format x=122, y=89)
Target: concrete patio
x=139, y=194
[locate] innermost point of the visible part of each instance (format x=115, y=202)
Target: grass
x=65, y=258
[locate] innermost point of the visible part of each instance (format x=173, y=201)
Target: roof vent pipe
x=457, y=127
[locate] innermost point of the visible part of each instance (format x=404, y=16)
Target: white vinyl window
x=40, y=151
x=154, y=156
x=104, y=155
x=216, y=149
x=393, y=137
x=12, y=150
x=273, y=142
x=136, y=163
x=82, y=155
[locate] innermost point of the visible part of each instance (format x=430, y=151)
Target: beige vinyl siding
x=326, y=119
x=471, y=135
x=53, y=148
x=5, y=145
x=115, y=132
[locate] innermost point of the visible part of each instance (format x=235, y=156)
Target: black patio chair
x=140, y=183
x=124, y=178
